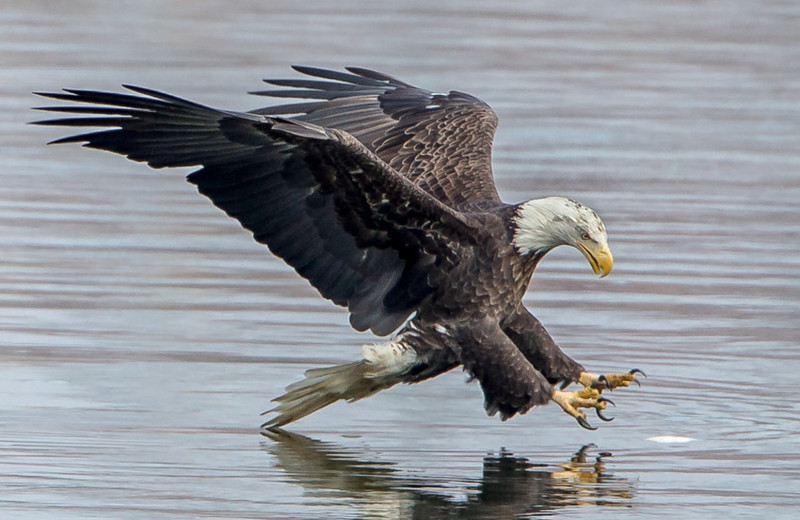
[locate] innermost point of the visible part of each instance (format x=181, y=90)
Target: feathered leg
x=533, y=340
x=510, y=384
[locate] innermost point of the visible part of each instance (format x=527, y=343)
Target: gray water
x=142, y=332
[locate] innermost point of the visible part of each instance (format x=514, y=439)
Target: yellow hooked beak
x=600, y=258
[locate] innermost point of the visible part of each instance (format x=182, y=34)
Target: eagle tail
x=383, y=366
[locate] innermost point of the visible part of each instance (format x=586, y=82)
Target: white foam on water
x=670, y=439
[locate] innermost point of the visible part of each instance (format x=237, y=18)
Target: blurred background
x=142, y=332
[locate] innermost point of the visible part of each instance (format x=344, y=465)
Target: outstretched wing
x=361, y=233
x=442, y=142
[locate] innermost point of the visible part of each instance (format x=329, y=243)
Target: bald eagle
x=381, y=195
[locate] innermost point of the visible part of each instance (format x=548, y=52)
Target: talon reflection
x=508, y=486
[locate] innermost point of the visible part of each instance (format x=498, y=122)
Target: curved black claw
x=602, y=383
x=637, y=371
x=606, y=400
x=583, y=422
x=599, y=412
x=603, y=417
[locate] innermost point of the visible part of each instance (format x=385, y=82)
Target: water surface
x=142, y=332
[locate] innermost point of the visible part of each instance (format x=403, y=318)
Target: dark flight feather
x=442, y=142
x=360, y=232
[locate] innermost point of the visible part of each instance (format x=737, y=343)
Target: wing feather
x=442, y=142
x=360, y=232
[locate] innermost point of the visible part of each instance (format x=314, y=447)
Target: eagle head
x=542, y=224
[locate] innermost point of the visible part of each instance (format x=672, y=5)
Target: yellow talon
x=572, y=402
x=610, y=381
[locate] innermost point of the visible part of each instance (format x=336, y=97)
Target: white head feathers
x=543, y=224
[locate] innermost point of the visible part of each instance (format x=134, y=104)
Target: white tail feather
x=382, y=368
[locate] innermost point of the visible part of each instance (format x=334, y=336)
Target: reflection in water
x=508, y=487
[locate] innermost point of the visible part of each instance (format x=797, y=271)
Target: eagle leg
x=572, y=402
x=610, y=381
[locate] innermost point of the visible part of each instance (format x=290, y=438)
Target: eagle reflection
x=509, y=486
